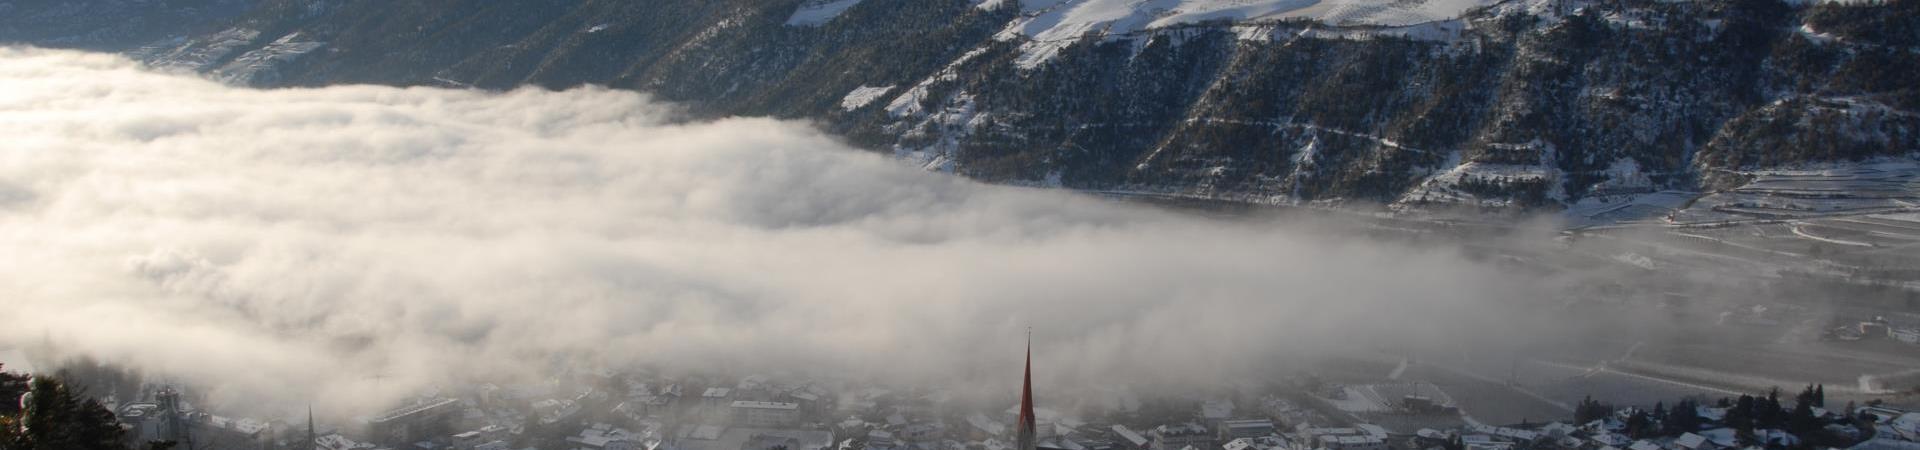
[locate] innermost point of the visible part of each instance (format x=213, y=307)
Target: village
x=609, y=411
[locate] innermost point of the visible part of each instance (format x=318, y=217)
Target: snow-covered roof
x=1882, y=443
x=1690, y=441
x=1612, y=439
x=1129, y=435
x=1724, y=437
x=985, y=425
x=765, y=405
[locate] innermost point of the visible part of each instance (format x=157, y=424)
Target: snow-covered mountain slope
x=109, y=24
x=1049, y=25
x=1581, y=104
x=1069, y=19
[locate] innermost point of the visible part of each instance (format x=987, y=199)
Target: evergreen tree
x=1740, y=416
x=12, y=386
x=1683, y=418
x=1590, y=410
x=58, y=417
x=1767, y=412
x=1820, y=396
x=1802, y=422
x=1639, y=426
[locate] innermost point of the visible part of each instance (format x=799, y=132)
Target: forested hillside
x=1531, y=103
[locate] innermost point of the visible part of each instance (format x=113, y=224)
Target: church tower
x=1026, y=437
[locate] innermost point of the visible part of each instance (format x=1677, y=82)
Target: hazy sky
x=358, y=243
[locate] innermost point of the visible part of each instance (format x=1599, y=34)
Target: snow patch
x=198, y=54
x=908, y=103
x=815, y=13
x=862, y=96
x=1049, y=25
x=260, y=64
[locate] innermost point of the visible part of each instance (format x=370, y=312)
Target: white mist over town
x=427, y=235
x=356, y=249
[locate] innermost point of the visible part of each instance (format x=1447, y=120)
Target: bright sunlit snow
x=818, y=12
x=1052, y=24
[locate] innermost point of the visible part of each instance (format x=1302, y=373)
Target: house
x=1558, y=429
x=1690, y=441
x=1338, y=439
x=1722, y=437
x=1130, y=438
x=1711, y=414
x=1512, y=434
x=1776, y=437
x=981, y=428
x=1483, y=442
x=1171, y=437
x=1906, y=425
x=765, y=414
x=470, y=440
x=920, y=433
x=601, y=436
x=337, y=442
x=1256, y=443
x=716, y=397
x=1611, y=439
x=1229, y=430
x=1907, y=335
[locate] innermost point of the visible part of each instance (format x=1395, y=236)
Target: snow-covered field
x=1834, y=190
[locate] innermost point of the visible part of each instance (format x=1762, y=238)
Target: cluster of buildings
x=1864, y=428
x=604, y=411
x=1878, y=328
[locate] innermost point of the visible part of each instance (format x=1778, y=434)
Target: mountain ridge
x=1522, y=104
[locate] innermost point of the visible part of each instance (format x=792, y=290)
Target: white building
x=1907, y=335
x=1133, y=440
x=1174, y=437
x=715, y=397
x=1256, y=443
x=1244, y=428
x=1338, y=439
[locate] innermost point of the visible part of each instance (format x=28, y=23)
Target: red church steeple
x=1026, y=436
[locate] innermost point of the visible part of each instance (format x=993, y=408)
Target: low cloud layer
x=365, y=242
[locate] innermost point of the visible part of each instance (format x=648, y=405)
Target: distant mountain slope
x=1519, y=103
x=109, y=24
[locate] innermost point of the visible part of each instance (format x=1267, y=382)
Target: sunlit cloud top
x=360, y=243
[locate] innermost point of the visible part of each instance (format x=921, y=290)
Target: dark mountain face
x=110, y=25
x=1530, y=103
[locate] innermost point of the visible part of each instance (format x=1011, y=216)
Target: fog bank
x=354, y=244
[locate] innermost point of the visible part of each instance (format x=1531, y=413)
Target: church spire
x=313, y=441
x=1027, y=439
